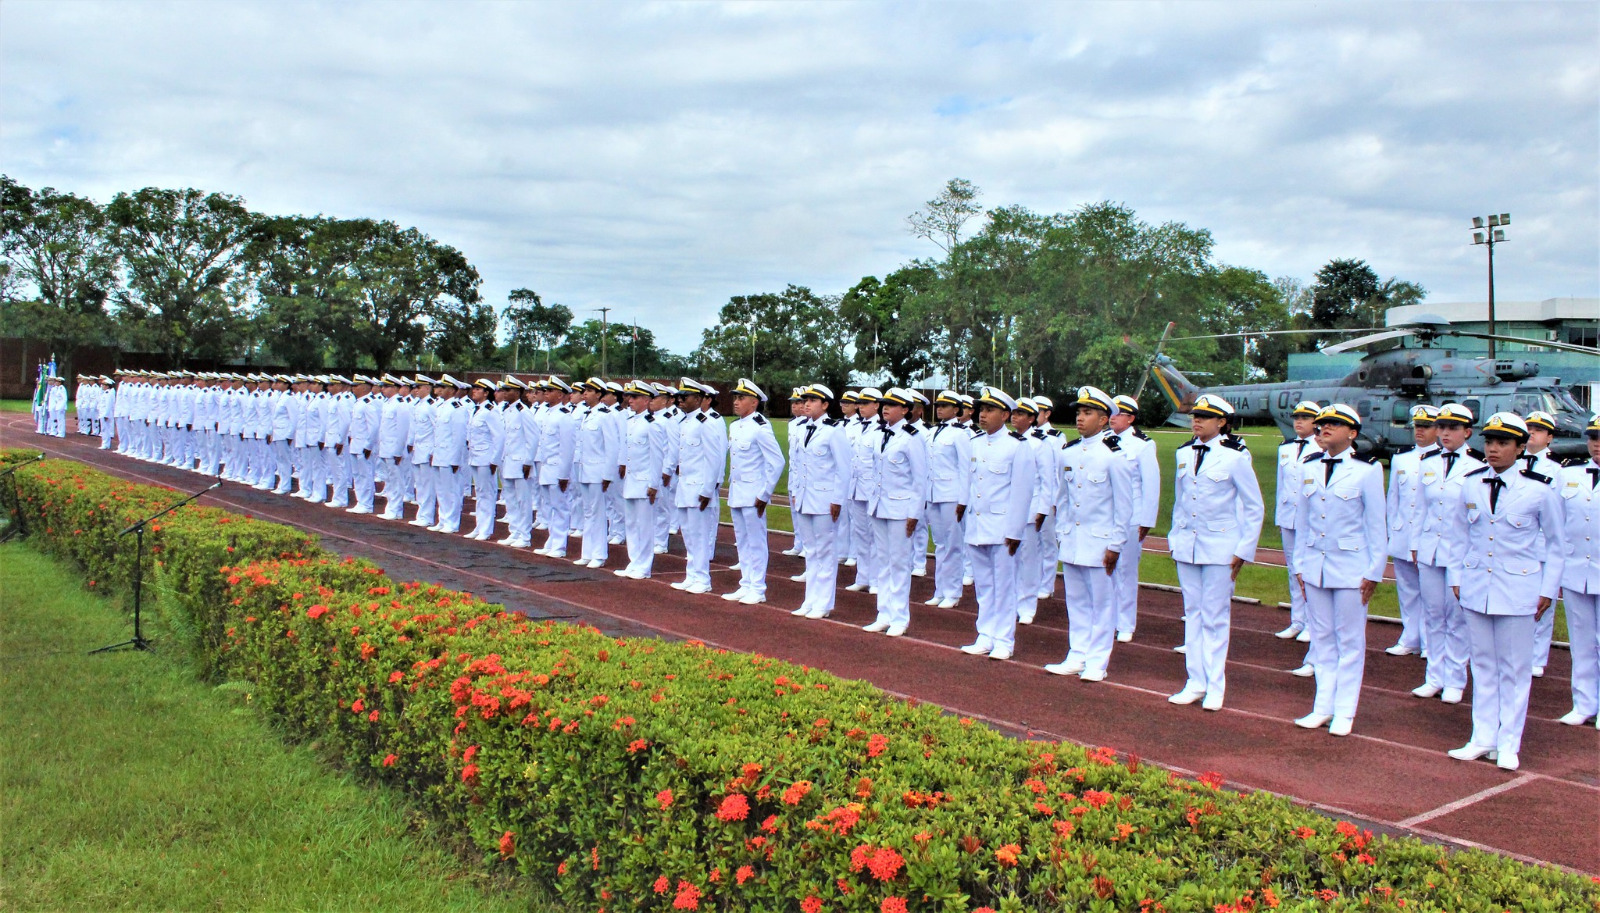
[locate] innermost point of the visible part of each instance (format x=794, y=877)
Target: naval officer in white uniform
x=755, y=464
x=1000, y=498
x=949, y=456
x=1290, y=453
x=1405, y=515
x=1537, y=457
x=1141, y=451
x=899, y=494
x=1442, y=474
x=1578, y=486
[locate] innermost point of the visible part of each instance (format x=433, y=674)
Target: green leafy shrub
x=643, y=775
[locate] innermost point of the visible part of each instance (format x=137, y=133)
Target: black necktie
x=1301, y=450
x=810, y=430
x=1327, y=469
x=1495, y=484
x=1200, y=456
x=1594, y=476
x=887, y=433
x=1450, y=462
x=1529, y=458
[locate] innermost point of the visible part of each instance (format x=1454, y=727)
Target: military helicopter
x=1385, y=385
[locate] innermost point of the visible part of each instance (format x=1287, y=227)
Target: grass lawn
x=129, y=785
x=20, y=405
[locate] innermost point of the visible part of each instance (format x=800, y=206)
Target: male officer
x=55, y=408
x=419, y=448
x=557, y=444
x=949, y=458
x=1141, y=451
x=1339, y=559
x=1054, y=439
x=516, y=467
x=599, y=448
x=864, y=439
x=849, y=408
x=1504, y=578
x=1216, y=524
x=899, y=491
x=917, y=547
x=394, y=428
x=702, y=454
x=1446, y=634
x=754, y=465
x=1095, y=509
x=667, y=418
x=1578, y=486
x=335, y=440
x=819, y=479
x=643, y=449
x=1290, y=455
x=486, y=441
x=364, y=418
x=797, y=426
x=999, y=508
x=1537, y=457
x=1029, y=565
x=450, y=422
x=1405, y=516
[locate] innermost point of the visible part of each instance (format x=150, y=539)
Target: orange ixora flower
x=664, y=798
x=734, y=808
x=1007, y=855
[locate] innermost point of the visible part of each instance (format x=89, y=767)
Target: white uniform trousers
x=639, y=515
x=519, y=504
x=394, y=487
x=1207, y=617
x=336, y=473
x=1091, y=615
x=864, y=542
x=1338, y=648
x=1049, y=557
x=123, y=433
x=282, y=467
x=557, y=517
x=1544, y=631
x=844, y=534
x=1583, y=632
x=664, y=513
x=308, y=467
x=107, y=432
x=1297, y=600
x=994, y=577
x=894, y=577
x=449, y=490
x=948, y=550
x=917, y=548
x=1446, y=634
x=1407, y=585
x=427, y=482
x=1028, y=573
x=800, y=529
x=363, y=479
x=266, y=464
x=822, y=560
x=594, y=529
x=1125, y=583
x=1502, y=672
x=750, y=538
x=616, y=519
x=485, y=498
x=700, y=541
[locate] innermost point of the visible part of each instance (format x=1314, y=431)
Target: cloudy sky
x=659, y=158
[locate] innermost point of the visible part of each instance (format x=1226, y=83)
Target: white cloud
x=658, y=158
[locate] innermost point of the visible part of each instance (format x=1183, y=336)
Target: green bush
x=642, y=775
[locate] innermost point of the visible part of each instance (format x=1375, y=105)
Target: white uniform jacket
x=419, y=434
x=557, y=443
x=336, y=430
x=1580, y=503
x=1216, y=506
x=819, y=475
x=1046, y=484
x=1441, y=489
x=1290, y=455
x=1404, y=506
x=1339, y=521
x=900, y=473
x=364, y=417
x=702, y=452
x=644, y=447
x=1095, y=504
x=599, y=446
x=450, y=432
x=1146, y=476
x=518, y=449
x=754, y=461
x=949, y=458
x=864, y=442
x=1494, y=555
x=1000, y=488
x=394, y=427
x=486, y=436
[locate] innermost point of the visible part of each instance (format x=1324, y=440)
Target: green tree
x=534, y=325
x=303, y=288
x=793, y=337
x=1343, y=294
x=185, y=267
x=408, y=292
x=884, y=338
x=58, y=267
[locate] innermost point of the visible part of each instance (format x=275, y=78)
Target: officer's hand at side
x=1038, y=521
x=562, y=484
x=911, y=527
x=525, y=470
x=1111, y=560
x=666, y=479
x=652, y=495
x=1143, y=531
x=704, y=502
x=961, y=511
x=1238, y=565
x=622, y=472
x=761, y=508
x=605, y=485
x=366, y=454
x=833, y=512
x=1544, y=606
x=1368, y=587
x=1011, y=546
x=1457, y=591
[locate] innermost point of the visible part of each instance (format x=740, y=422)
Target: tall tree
x=1343, y=295
x=792, y=337
x=303, y=288
x=535, y=325
x=56, y=255
x=884, y=337
x=942, y=218
x=185, y=263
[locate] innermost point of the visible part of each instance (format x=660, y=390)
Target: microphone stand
x=139, y=642
x=18, y=526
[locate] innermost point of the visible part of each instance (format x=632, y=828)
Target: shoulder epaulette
x=832, y=421
x=1234, y=442
x=1363, y=458
x=1431, y=454
x=1072, y=443
x=1054, y=432
x=1113, y=444
x=1140, y=435
x=713, y=414
x=1539, y=477
x=1189, y=443
x=1311, y=457
x=977, y=433
x=649, y=416
x=700, y=416
x=760, y=419
x=911, y=430
x=1479, y=471
x=1575, y=461
x=1018, y=435
x=1475, y=453
x=1406, y=449
x=455, y=403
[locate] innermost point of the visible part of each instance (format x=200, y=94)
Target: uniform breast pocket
x=1521, y=521
x=1096, y=477
x=1571, y=490
x=1350, y=543
x=1216, y=476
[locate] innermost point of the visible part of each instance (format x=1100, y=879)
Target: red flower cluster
x=796, y=792
x=508, y=845
x=664, y=798
x=877, y=745
x=734, y=808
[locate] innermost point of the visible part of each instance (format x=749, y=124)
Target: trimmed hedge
x=643, y=775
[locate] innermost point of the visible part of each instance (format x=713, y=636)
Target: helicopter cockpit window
x=1475, y=406
x=1528, y=402
x=1400, y=414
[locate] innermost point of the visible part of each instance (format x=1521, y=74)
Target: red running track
x=1391, y=773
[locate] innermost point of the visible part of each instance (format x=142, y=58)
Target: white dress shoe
x=849, y=562
x=637, y=575
x=818, y=612
x=798, y=578
x=1186, y=697
x=698, y=589
x=681, y=584
x=934, y=601
x=732, y=567
x=1574, y=718
x=876, y=627
x=1092, y=675
x=791, y=552
x=596, y=562
x=1452, y=695
x=1304, y=671
x=621, y=572
x=801, y=612
x=1065, y=667
x=1340, y=725
x=581, y=562
x=967, y=581
x=1181, y=648
x=1025, y=619
x=1290, y=631
x=1213, y=702
x=1507, y=762
x=1469, y=752
x=1002, y=653
x=1427, y=689
x=1399, y=650
x=872, y=591
x=1538, y=672
x=977, y=649
x=1303, y=637
x=336, y=505
x=948, y=602
x=360, y=510
x=919, y=572
x=659, y=550
x=1124, y=636
x=897, y=630
x=1314, y=720
x=855, y=587
x=734, y=596
x=753, y=599
x=559, y=553
x=422, y=522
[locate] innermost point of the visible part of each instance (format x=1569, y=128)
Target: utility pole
x=603, y=333
x=1494, y=234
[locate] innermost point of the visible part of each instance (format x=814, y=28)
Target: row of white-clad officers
x=50, y=409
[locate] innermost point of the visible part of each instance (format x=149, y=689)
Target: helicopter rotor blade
x=1144, y=376
x=1273, y=333
x=1558, y=346
x=1360, y=341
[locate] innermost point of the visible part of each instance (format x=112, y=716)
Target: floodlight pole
x=1493, y=234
